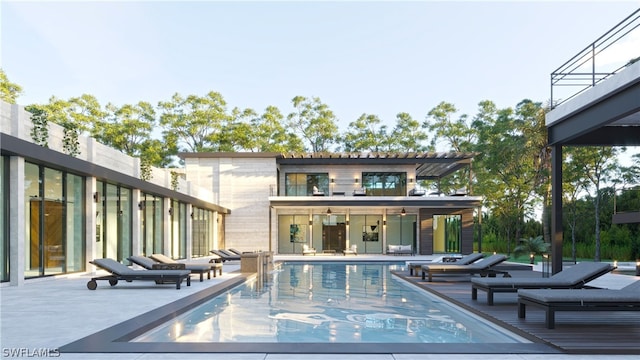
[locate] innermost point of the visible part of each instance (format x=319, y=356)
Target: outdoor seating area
x=595, y=319
x=551, y=301
x=416, y=267
x=484, y=267
x=575, y=276
x=119, y=271
x=399, y=250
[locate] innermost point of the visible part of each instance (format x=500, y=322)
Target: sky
x=376, y=57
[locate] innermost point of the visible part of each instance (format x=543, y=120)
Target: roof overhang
x=429, y=165
x=376, y=201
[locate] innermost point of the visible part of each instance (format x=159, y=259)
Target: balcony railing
x=608, y=55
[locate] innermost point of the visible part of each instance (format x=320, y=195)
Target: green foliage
x=9, y=91
x=40, y=129
x=70, y=143
x=532, y=245
x=174, y=180
x=145, y=169
x=315, y=122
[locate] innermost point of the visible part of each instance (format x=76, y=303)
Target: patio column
x=556, y=208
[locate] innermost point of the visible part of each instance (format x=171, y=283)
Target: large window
x=202, y=232
x=4, y=219
x=293, y=233
x=152, y=224
x=114, y=221
x=306, y=184
x=54, y=217
x=401, y=230
x=365, y=231
x=178, y=229
x=385, y=184
x=447, y=230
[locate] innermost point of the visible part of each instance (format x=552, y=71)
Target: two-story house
x=332, y=201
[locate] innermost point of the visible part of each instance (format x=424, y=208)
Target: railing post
x=593, y=64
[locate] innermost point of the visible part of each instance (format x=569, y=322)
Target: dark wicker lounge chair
x=226, y=256
x=482, y=267
x=196, y=268
x=573, y=277
x=552, y=300
x=415, y=267
x=122, y=272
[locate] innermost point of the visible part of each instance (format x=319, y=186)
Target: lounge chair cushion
x=574, y=276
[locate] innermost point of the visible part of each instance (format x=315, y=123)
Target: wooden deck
x=612, y=332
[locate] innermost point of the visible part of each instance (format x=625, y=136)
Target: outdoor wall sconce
x=333, y=180
x=141, y=205
x=328, y=211
x=356, y=180
x=346, y=222
x=96, y=197
x=403, y=212
x=171, y=211
x=192, y=214
x=310, y=222
x=384, y=222
x=410, y=180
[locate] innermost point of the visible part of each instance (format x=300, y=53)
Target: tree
x=271, y=135
x=195, y=122
x=315, y=122
x=573, y=183
x=456, y=135
x=407, y=135
x=597, y=163
x=9, y=91
x=507, y=175
x=365, y=134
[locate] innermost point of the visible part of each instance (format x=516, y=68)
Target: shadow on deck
x=615, y=332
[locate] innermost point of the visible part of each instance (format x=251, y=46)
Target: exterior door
x=333, y=237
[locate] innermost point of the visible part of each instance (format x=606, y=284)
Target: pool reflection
x=327, y=302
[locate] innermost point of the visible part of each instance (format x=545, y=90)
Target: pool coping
x=116, y=339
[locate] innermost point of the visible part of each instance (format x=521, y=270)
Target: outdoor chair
x=483, y=267
x=573, y=277
x=352, y=250
x=196, y=268
x=120, y=271
x=552, y=300
x=226, y=256
x=306, y=250
x=415, y=267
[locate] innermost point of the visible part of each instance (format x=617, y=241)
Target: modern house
x=65, y=202
x=332, y=201
x=595, y=97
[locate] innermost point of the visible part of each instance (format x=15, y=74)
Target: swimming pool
x=328, y=303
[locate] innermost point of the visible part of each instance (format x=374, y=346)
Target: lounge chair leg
x=178, y=284
x=550, y=319
x=522, y=311
x=423, y=273
x=474, y=293
x=188, y=280
x=490, y=297
x=201, y=277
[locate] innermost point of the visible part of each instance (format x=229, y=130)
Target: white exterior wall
x=242, y=185
x=15, y=121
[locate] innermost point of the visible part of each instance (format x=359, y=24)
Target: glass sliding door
x=75, y=210
x=447, y=230
x=52, y=218
x=4, y=219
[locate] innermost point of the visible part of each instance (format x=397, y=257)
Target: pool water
x=329, y=303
